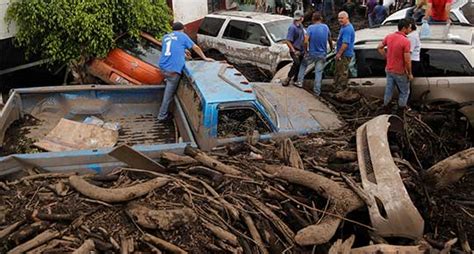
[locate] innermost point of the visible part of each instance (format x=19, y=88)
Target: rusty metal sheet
x=71, y=135
x=136, y=159
x=391, y=211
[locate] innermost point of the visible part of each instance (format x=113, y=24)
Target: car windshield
x=267, y=105
x=278, y=29
x=141, y=48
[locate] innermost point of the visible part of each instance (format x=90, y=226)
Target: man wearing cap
x=295, y=42
x=344, y=49
x=172, y=59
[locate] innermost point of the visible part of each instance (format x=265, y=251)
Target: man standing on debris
x=398, y=66
x=317, y=38
x=344, y=49
x=172, y=62
x=295, y=41
x=438, y=10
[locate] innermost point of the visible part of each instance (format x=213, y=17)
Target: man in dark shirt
x=295, y=42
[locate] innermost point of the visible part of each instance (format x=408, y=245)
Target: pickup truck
x=214, y=105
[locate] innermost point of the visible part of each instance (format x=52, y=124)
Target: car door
x=207, y=35
x=244, y=45
x=449, y=75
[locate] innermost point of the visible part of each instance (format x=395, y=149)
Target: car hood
x=296, y=109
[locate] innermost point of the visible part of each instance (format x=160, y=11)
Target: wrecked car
x=223, y=107
x=133, y=62
x=446, y=75
x=246, y=38
x=214, y=105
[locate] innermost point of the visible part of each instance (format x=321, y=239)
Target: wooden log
x=210, y=162
x=342, y=157
x=289, y=154
x=28, y=231
x=343, y=201
x=160, y=219
x=37, y=241
x=115, y=195
x=222, y=234
x=254, y=233
x=386, y=248
x=10, y=229
x=279, y=224
x=228, y=206
x=174, y=160
x=86, y=248
x=450, y=170
x=342, y=247
x=163, y=244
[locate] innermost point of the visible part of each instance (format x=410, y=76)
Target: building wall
x=5, y=30
x=187, y=11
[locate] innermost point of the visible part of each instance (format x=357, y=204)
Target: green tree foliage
x=74, y=30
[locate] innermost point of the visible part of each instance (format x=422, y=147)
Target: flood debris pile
x=298, y=196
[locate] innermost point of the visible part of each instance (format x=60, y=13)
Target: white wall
x=5, y=31
x=186, y=11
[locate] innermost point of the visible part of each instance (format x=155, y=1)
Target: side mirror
x=265, y=42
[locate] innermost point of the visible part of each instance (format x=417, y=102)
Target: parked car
x=133, y=62
x=462, y=11
x=446, y=75
x=247, y=38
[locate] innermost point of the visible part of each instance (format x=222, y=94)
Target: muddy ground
x=426, y=140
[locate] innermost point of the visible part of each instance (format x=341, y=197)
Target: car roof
x=400, y=14
x=255, y=16
x=460, y=33
x=219, y=82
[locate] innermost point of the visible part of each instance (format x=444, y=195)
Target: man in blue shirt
x=295, y=42
x=172, y=60
x=344, y=49
x=317, y=38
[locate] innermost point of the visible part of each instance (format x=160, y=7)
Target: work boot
x=286, y=82
x=167, y=119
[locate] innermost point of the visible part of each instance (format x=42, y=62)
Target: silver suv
x=247, y=38
x=447, y=73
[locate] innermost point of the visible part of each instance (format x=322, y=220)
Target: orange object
x=136, y=65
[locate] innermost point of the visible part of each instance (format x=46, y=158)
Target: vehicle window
x=211, y=26
x=369, y=63
x=254, y=33
x=236, y=30
x=444, y=62
x=191, y=102
x=141, y=48
x=278, y=30
x=244, y=31
x=468, y=11
x=240, y=122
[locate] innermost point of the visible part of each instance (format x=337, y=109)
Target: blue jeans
x=172, y=81
x=318, y=71
x=401, y=81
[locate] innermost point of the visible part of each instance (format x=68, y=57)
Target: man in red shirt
x=439, y=10
x=398, y=66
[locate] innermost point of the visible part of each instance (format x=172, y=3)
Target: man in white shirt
x=415, y=50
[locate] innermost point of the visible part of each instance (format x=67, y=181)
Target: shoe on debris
x=167, y=119
x=298, y=84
